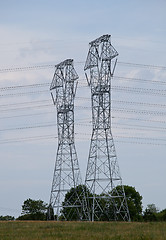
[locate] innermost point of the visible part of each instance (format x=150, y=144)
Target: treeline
x=152, y=214
x=38, y=209
x=7, y=218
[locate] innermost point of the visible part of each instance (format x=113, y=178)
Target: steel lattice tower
x=67, y=172
x=103, y=179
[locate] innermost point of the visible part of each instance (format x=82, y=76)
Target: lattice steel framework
x=67, y=173
x=107, y=200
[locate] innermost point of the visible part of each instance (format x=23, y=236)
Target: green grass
x=30, y=230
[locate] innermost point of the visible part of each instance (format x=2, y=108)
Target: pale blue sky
x=47, y=32
x=123, y=18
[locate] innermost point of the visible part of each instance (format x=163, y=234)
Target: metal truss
x=106, y=196
x=67, y=177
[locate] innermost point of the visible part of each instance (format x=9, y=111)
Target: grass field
x=16, y=230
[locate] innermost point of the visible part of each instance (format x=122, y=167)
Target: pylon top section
x=64, y=63
x=64, y=72
x=100, y=50
x=100, y=39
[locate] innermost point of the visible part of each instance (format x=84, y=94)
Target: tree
x=150, y=213
x=134, y=201
x=162, y=215
x=76, y=198
x=33, y=210
x=152, y=208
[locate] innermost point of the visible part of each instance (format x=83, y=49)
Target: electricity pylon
x=107, y=198
x=67, y=173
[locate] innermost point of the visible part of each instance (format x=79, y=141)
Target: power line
x=26, y=115
x=24, y=86
x=138, y=142
x=155, y=92
x=140, y=80
x=29, y=127
x=145, y=112
x=24, y=103
x=28, y=68
x=142, y=138
x=140, y=103
x=39, y=67
x=131, y=142
x=23, y=93
x=126, y=110
x=141, y=128
x=124, y=118
x=15, y=140
x=142, y=65
x=48, y=137
x=140, y=90
x=132, y=137
x=116, y=125
x=139, y=119
x=25, y=108
x=37, y=85
x=48, y=105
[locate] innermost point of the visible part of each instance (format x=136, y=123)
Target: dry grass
x=29, y=230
